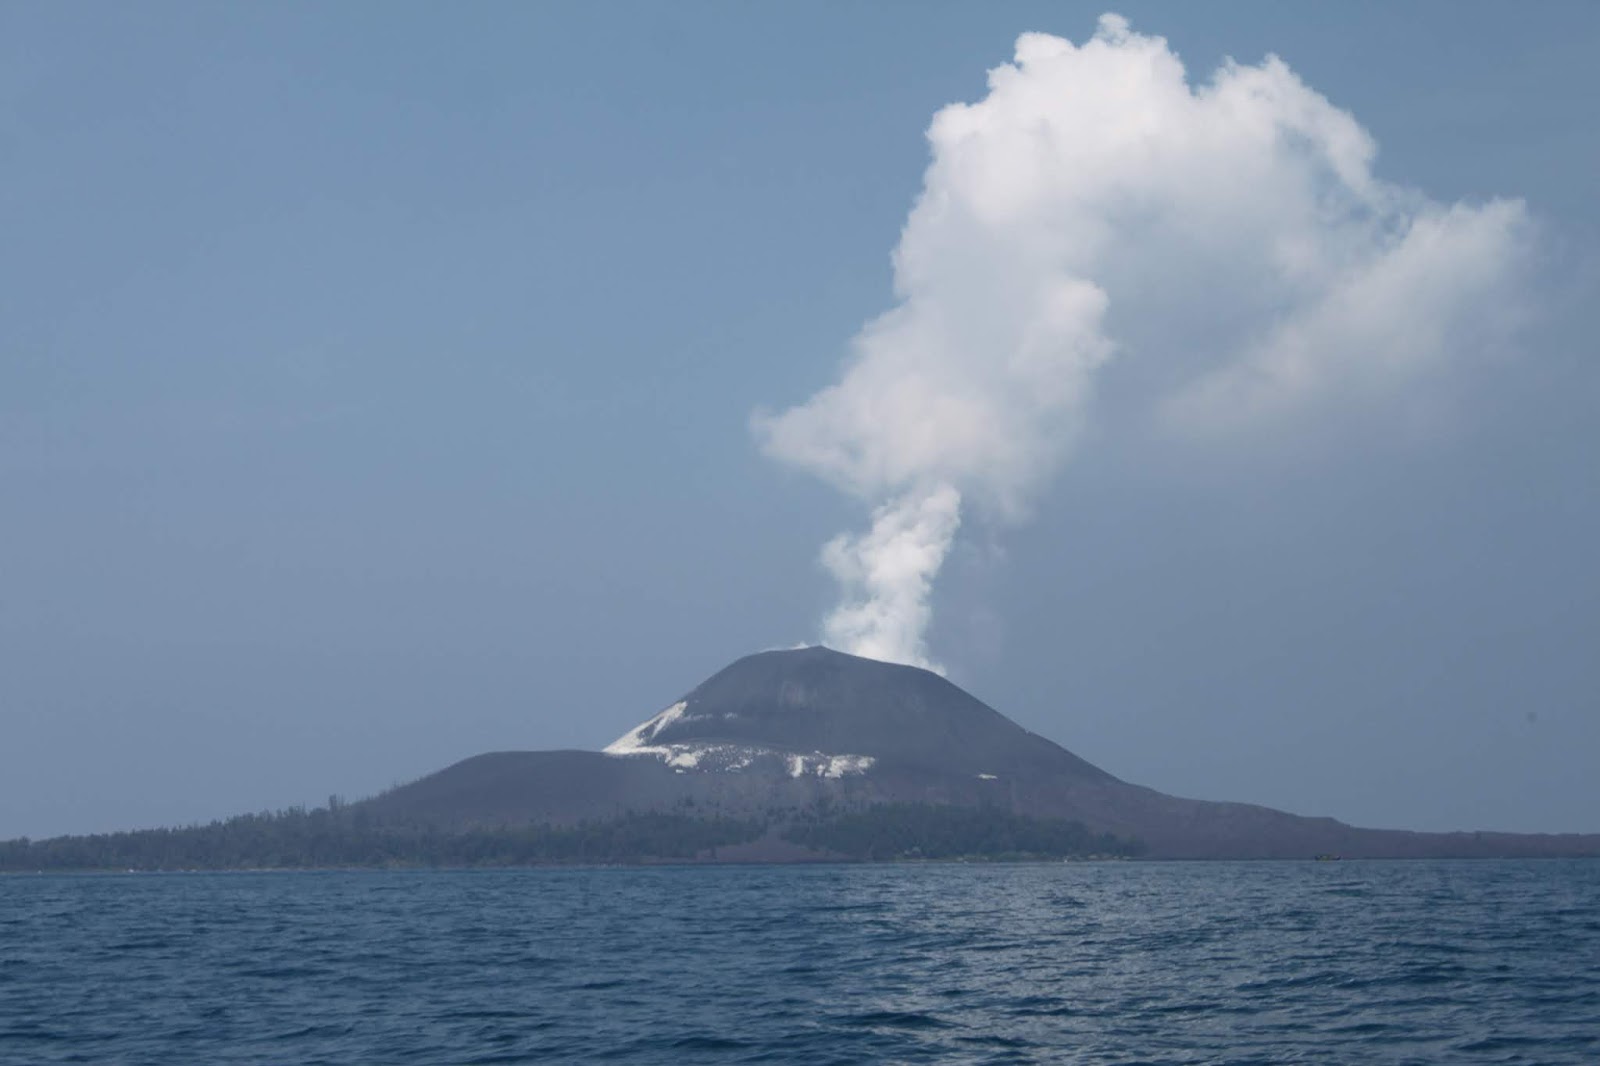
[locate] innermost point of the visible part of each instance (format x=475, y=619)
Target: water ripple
x=1120, y=962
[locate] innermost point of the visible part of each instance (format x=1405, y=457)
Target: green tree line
x=928, y=831
x=344, y=836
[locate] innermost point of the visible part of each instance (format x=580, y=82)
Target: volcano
x=787, y=731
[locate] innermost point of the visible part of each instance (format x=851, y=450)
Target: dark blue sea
x=1363, y=962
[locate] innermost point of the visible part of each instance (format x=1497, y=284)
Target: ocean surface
x=1363, y=962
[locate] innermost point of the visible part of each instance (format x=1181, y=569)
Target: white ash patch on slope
x=821, y=764
x=713, y=757
x=636, y=741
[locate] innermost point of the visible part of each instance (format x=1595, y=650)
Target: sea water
x=1369, y=962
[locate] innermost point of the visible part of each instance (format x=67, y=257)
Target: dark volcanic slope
x=781, y=730
x=820, y=700
x=514, y=787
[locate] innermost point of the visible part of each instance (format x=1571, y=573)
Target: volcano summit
x=827, y=714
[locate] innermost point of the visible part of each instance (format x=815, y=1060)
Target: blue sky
x=376, y=383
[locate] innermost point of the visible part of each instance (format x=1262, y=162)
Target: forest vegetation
x=341, y=835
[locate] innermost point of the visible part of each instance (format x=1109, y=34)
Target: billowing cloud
x=1227, y=242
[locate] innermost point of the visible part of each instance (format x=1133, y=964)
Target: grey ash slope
x=783, y=730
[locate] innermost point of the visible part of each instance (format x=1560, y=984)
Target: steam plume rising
x=886, y=576
x=1228, y=243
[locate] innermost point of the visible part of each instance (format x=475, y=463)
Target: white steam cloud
x=1228, y=243
x=888, y=573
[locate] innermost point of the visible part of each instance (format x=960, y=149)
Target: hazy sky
x=376, y=389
